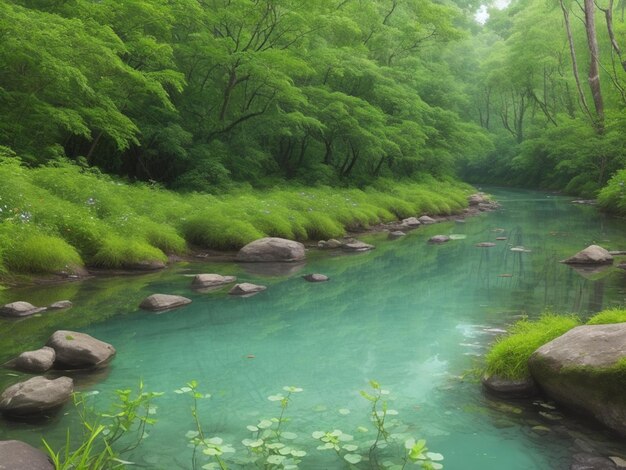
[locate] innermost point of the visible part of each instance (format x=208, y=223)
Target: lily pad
x=353, y=458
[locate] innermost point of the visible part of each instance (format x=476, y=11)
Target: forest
x=234, y=96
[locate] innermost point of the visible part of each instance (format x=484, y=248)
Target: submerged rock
x=591, y=462
x=17, y=455
x=520, y=249
x=40, y=360
x=395, y=235
x=584, y=370
x=315, y=278
x=475, y=199
x=593, y=254
x=519, y=388
x=271, y=249
x=439, y=239
x=211, y=280
x=485, y=244
x=20, y=309
x=79, y=350
x=61, y=304
x=246, y=288
x=357, y=246
x=146, y=265
x=158, y=302
x=35, y=396
x=330, y=244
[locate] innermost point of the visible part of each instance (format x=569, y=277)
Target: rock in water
x=411, y=222
x=157, y=302
x=35, y=396
x=246, y=288
x=79, y=350
x=61, y=304
x=20, y=309
x=271, y=249
x=591, y=462
x=357, y=246
x=476, y=199
x=211, y=280
x=520, y=388
x=593, y=254
x=485, y=244
x=40, y=360
x=17, y=455
x=329, y=244
x=395, y=235
x=315, y=278
x=584, y=370
x=439, y=239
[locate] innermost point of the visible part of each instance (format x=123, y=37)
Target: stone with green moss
x=585, y=370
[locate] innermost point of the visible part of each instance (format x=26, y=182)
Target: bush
x=612, y=197
x=118, y=252
x=508, y=358
x=37, y=253
x=614, y=315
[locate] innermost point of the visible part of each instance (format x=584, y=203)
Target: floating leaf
x=285, y=451
x=278, y=397
x=252, y=443
x=298, y=453
x=252, y=428
x=392, y=412
x=353, y=458
x=289, y=435
x=293, y=389
x=362, y=429
x=434, y=456
x=350, y=447
x=344, y=411
x=275, y=459
x=264, y=424
x=275, y=445
x=191, y=434
x=318, y=434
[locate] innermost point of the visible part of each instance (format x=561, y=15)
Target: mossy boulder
x=585, y=370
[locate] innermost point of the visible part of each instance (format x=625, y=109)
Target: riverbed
x=414, y=316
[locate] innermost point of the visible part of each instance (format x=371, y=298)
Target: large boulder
x=585, y=369
x=79, y=350
x=271, y=249
x=157, y=302
x=20, y=309
x=211, y=280
x=35, y=396
x=40, y=360
x=17, y=455
x=593, y=254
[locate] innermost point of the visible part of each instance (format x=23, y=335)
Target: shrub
x=508, y=358
x=38, y=253
x=118, y=252
x=614, y=315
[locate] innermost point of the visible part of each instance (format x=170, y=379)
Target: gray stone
x=146, y=265
x=618, y=461
x=617, y=253
x=395, y=235
x=17, y=455
x=476, y=199
x=439, y=239
x=158, y=302
x=622, y=265
x=40, y=360
x=20, y=309
x=211, y=280
x=330, y=244
x=35, y=396
x=315, y=278
x=591, y=462
x=357, y=246
x=427, y=220
x=411, y=222
x=246, y=288
x=485, y=244
x=79, y=350
x=271, y=249
x=593, y=254
x=580, y=370
x=61, y=304
x=520, y=388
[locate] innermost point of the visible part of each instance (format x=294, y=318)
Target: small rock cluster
x=24, y=309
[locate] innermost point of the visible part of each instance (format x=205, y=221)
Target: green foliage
x=508, y=357
x=614, y=315
x=106, y=436
x=34, y=252
x=612, y=197
x=118, y=252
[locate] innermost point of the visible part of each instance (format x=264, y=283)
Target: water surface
x=413, y=316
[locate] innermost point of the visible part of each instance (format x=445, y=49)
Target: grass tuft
x=605, y=317
x=39, y=253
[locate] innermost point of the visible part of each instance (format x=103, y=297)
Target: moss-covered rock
x=585, y=369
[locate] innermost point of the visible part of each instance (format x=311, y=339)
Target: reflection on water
x=414, y=316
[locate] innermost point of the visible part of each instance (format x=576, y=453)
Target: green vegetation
x=612, y=198
x=58, y=217
x=508, y=358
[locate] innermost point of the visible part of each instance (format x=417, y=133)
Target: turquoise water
x=413, y=316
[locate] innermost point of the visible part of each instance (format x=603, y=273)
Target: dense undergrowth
x=62, y=216
x=508, y=358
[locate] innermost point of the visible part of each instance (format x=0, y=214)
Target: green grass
x=612, y=197
x=96, y=220
x=605, y=317
x=508, y=358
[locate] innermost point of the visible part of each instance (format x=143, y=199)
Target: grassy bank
x=612, y=197
x=61, y=217
x=508, y=358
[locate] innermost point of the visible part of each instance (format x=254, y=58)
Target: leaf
x=191, y=434
x=252, y=443
x=353, y=458
x=318, y=434
x=293, y=389
x=264, y=424
x=298, y=453
x=434, y=456
x=350, y=447
x=252, y=428
x=344, y=411
x=289, y=435
x=275, y=459
x=278, y=397
x=216, y=441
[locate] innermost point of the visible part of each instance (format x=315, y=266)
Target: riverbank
x=57, y=222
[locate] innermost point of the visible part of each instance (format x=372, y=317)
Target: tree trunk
x=594, y=65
